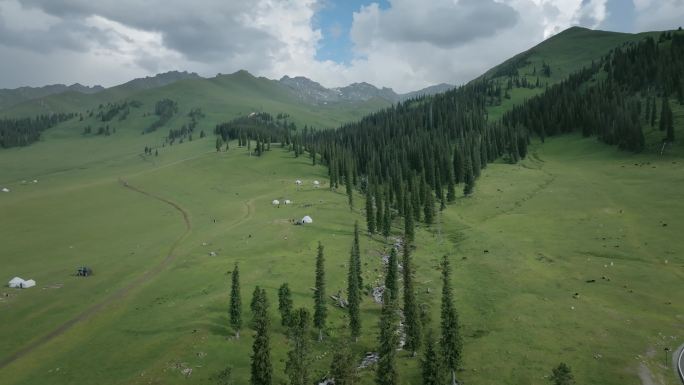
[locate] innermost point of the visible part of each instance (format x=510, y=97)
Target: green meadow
x=531, y=237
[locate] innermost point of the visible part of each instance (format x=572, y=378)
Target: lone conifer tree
x=354, y=287
x=298, y=359
x=285, y=304
x=356, y=250
x=320, y=311
x=469, y=177
x=666, y=120
x=387, y=220
x=370, y=216
x=411, y=316
x=430, y=364
x=261, y=366
x=429, y=208
x=343, y=367
x=409, y=231
x=450, y=342
x=348, y=185
x=235, y=302
x=386, y=373
x=391, y=285
x=562, y=375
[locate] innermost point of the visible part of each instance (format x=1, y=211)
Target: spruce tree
x=348, y=185
x=450, y=341
x=451, y=189
x=562, y=375
x=387, y=220
x=285, y=304
x=430, y=367
x=412, y=325
x=378, y=210
x=459, y=164
x=370, y=216
x=409, y=230
x=235, y=302
x=391, y=285
x=386, y=373
x=320, y=311
x=261, y=366
x=429, y=208
x=666, y=120
x=354, y=288
x=357, y=256
x=468, y=178
x=343, y=367
x=298, y=359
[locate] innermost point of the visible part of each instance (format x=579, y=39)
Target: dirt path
x=119, y=294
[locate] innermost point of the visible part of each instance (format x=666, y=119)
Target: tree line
x=16, y=132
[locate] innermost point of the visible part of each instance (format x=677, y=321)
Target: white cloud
x=406, y=46
x=654, y=15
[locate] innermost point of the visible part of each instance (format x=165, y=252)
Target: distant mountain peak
x=313, y=92
x=160, y=80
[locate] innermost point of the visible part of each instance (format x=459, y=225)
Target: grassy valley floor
x=523, y=249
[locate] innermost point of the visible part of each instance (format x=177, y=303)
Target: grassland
x=575, y=210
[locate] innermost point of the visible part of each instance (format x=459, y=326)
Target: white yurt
x=19, y=283
x=316, y=183
x=288, y=202
x=275, y=202
x=307, y=219
x=298, y=182
x=5, y=189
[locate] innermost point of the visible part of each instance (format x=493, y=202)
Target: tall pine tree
x=391, y=285
x=343, y=367
x=285, y=304
x=261, y=366
x=386, y=373
x=411, y=317
x=320, y=311
x=235, y=302
x=298, y=359
x=354, y=286
x=450, y=342
x=430, y=363
x=370, y=216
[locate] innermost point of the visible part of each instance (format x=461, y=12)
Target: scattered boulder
x=370, y=359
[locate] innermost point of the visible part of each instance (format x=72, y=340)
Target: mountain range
x=302, y=88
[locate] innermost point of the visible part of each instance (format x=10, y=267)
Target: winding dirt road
x=117, y=295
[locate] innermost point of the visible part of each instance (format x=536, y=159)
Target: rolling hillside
x=570, y=254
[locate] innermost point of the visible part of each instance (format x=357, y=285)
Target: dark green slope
x=564, y=54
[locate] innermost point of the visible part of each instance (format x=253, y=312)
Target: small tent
x=5, y=189
x=307, y=219
x=19, y=283
x=275, y=202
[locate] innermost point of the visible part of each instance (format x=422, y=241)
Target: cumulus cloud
x=404, y=44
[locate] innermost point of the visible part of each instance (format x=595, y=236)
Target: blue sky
x=334, y=18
